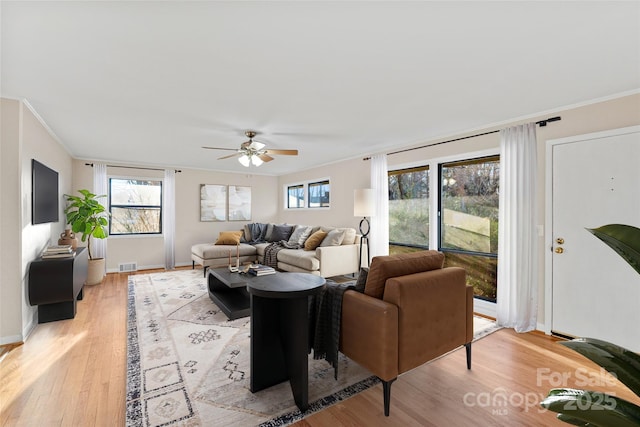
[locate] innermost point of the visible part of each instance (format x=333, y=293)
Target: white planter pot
x=96, y=271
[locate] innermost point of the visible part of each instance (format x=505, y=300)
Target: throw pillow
x=299, y=235
x=334, y=238
x=281, y=232
x=246, y=233
x=362, y=279
x=314, y=240
x=229, y=238
x=268, y=231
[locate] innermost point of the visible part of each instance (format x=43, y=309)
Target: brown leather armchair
x=412, y=311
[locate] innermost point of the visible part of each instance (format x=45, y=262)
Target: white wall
x=24, y=138
x=148, y=251
x=10, y=224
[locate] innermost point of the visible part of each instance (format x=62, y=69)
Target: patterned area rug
x=189, y=366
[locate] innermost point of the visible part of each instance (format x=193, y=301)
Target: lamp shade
x=363, y=202
x=257, y=161
x=244, y=160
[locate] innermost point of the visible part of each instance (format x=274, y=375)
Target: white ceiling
x=152, y=82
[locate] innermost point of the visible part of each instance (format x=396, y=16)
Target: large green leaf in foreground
x=592, y=408
x=623, y=363
x=624, y=239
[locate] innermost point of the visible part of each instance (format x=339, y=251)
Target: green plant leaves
x=87, y=216
x=592, y=408
x=623, y=363
x=624, y=239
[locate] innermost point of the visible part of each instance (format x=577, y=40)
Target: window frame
x=320, y=183
x=288, y=196
x=422, y=167
x=306, y=199
x=481, y=306
x=160, y=181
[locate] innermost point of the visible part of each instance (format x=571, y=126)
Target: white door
x=595, y=181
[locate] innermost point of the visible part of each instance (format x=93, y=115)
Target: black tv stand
x=55, y=285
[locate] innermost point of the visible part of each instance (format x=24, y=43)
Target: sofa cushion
x=298, y=258
x=314, y=240
x=384, y=267
x=229, y=238
x=281, y=232
x=209, y=251
x=299, y=235
x=349, y=236
x=260, y=247
x=334, y=238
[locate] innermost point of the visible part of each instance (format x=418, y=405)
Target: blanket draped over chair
x=325, y=316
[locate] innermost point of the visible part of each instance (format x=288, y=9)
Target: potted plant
x=592, y=408
x=87, y=216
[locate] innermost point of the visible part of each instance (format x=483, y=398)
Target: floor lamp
x=363, y=207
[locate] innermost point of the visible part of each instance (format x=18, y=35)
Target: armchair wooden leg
x=467, y=347
x=386, y=390
x=193, y=265
x=204, y=270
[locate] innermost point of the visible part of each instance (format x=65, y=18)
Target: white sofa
x=325, y=261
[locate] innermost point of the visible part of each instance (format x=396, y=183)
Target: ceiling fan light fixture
x=257, y=161
x=244, y=160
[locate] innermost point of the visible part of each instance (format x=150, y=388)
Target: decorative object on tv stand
x=363, y=207
x=68, y=237
x=86, y=215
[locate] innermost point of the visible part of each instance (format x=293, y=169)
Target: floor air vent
x=127, y=266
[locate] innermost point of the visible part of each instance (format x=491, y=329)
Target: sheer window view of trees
x=469, y=220
x=135, y=206
x=408, y=209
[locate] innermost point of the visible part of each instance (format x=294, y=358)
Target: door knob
x=559, y=250
x=560, y=240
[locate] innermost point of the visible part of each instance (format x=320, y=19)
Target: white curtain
x=100, y=187
x=379, y=236
x=517, y=237
x=169, y=218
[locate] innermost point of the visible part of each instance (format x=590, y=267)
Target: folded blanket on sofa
x=271, y=252
x=326, y=320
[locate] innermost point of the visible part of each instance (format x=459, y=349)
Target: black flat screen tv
x=44, y=193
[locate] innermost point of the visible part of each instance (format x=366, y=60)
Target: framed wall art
x=239, y=203
x=213, y=202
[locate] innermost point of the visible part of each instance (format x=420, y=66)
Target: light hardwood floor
x=73, y=372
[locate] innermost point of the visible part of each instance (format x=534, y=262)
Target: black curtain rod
x=133, y=167
x=541, y=123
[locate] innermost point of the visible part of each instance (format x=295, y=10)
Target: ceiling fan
x=253, y=152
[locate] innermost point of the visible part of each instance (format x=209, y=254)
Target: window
x=295, y=196
x=468, y=215
x=319, y=194
x=308, y=195
x=409, y=209
x=135, y=206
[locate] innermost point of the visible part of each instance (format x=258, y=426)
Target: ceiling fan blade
x=265, y=157
x=219, y=148
x=229, y=156
x=282, y=152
